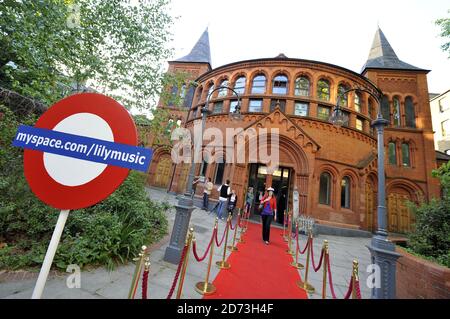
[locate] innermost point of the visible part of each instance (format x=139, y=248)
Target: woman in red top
x=268, y=212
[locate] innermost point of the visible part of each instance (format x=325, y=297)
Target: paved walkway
x=100, y=283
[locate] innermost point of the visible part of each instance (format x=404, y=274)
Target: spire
x=383, y=56
x=200, y=52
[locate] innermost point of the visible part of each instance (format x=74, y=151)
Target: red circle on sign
x=76, y=197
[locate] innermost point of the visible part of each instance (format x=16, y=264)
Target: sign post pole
x=48, y=260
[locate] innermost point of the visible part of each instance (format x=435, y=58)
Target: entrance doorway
x=280, y=181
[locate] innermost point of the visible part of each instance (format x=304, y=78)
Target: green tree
x=444, y=23
x=53, y=47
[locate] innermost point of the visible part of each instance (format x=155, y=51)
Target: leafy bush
x=108, y=233
x=431, y=236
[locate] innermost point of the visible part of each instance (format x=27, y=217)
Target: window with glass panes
x=325, y=189
x=406, y=161
x=323, y=90
x=302, y=86
x=233, y=105
x=223, y=91
x=357, y=103
x=396, y=113
x=359, y=124
x=280, y=84
x=410, y=117
x=345, y=192
x=301, y=108
x=445, y=128
x=392, y=153
x=323, y=112
x=343, y=98
x=255, y=105
x=218, y=107
x=239, y=86
x=259, y=84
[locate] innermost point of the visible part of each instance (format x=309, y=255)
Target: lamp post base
x=184, y=210
x=383, y=254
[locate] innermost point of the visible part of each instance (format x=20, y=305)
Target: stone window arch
x=302, y=86
x=410, y=117
x=280, y=84
x=259, y=84
x=323, y=89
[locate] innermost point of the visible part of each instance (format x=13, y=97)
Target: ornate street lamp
x=185, y=204
x=382, y=250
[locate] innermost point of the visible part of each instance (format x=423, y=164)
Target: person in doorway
x=232, y=202
x=194, y=185
x=207, y=188
x=224, y=193
x=281, y=205
x=268, y=212
x=248, y=201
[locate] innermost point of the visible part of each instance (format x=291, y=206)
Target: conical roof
x=383, y=56
x=201, y=52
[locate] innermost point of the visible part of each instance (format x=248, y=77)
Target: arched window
x=357, y=102
x=325, y=189
x=343, y=98
x=406, y=160
x=280, y=84
x=302, y=86
x=370, y=109
x=223, y=92
x=385, y=111
x=239, y=85
x=323, y=90
x=345, y=192
x=211, y=88
x=410, y=117
x=199, y=94
x=189, y=96
x=396, y=111
x=259, y=84
x=392, y=153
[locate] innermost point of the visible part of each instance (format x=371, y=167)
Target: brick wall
x=418, y=278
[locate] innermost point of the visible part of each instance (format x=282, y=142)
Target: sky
x=339, y=32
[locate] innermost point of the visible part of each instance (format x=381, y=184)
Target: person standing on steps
x=207, y=188
x=224, y=193
x=269, y=211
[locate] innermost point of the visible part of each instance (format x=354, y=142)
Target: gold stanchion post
x=233, y=247
x=304, y=284
x=354, y=278
x=190, y=236
x=325, y=263
x=241, y=233
x=295, y=263
x=289, y=250
x=205, y=287
x=137, y=272
x=224, y=264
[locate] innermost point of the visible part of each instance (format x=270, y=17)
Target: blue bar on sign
x=84, y=148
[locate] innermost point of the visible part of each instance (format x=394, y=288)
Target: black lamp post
x=382, y=250
x=185, y=204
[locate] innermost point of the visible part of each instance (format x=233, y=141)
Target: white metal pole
x=48, y=260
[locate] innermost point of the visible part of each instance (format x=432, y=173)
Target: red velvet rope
x=223, y=236
x=316, y=269
x=330, y=278
x=350, y=288
x=194, y=247
x=175, y=280
x=144, y=284
x=358, y=290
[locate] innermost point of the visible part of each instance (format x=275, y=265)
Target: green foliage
x=431, y=236
x=444, y=23
x=108, y=233
x=58, y=46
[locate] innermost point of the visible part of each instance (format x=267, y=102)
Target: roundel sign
x=80, y=150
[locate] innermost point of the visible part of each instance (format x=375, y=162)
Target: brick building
x=334, y=168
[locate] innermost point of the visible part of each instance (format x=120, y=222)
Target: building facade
x=440, y=112
x=334, y=168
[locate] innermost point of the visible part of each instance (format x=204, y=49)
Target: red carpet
x=259, y=271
